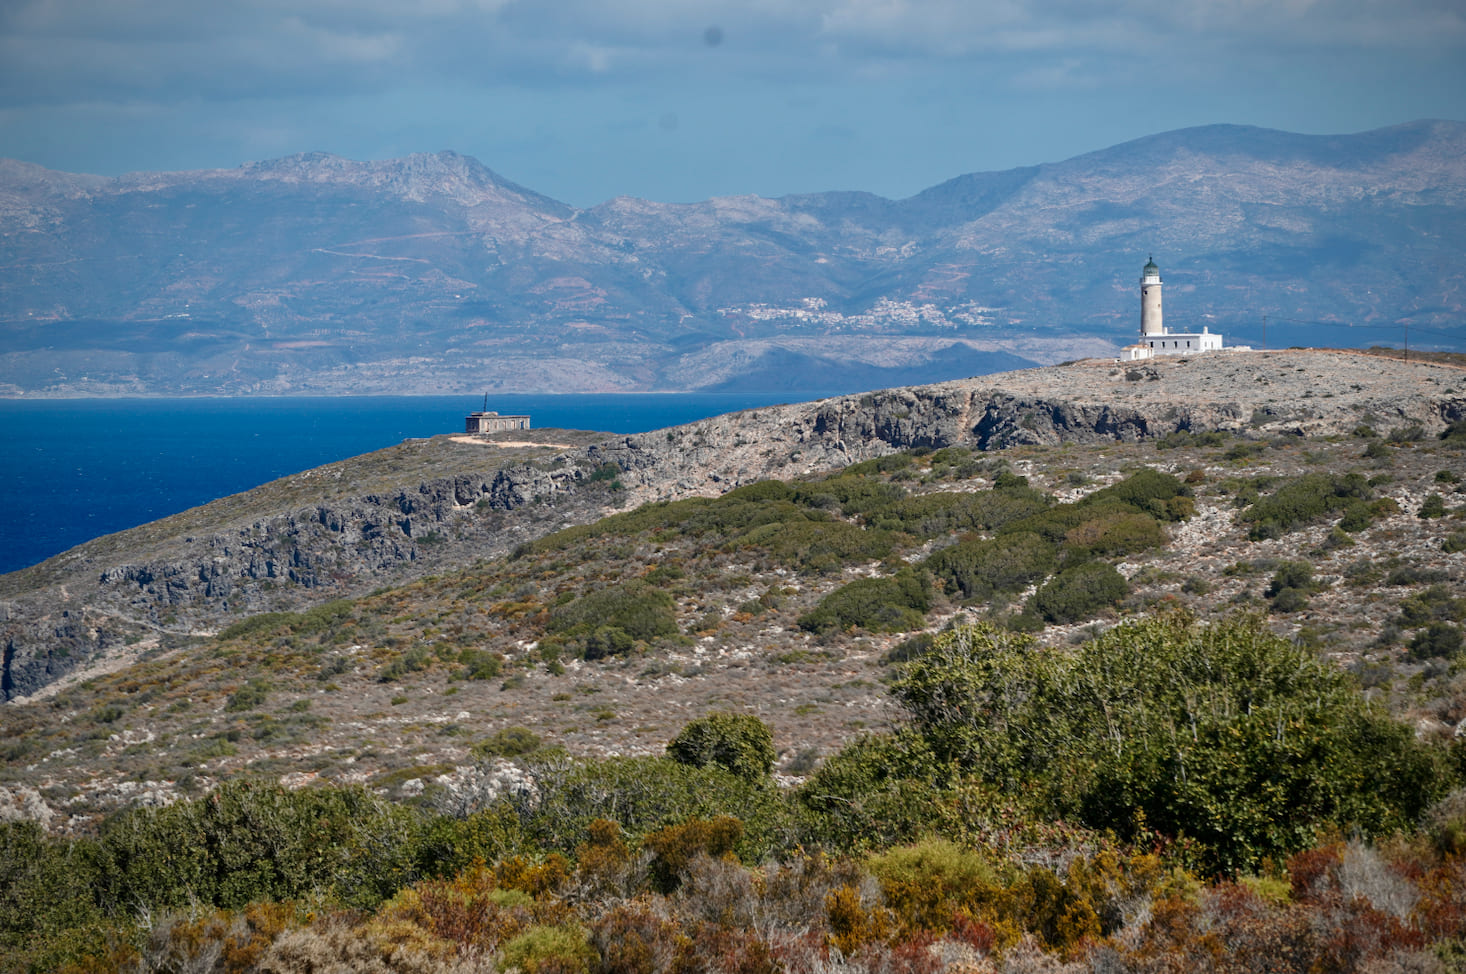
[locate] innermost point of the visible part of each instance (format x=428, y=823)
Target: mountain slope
x=432, y=273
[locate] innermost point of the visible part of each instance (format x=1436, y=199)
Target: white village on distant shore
x=1155, y=339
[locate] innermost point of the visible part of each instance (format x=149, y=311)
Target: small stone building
x=491, y=422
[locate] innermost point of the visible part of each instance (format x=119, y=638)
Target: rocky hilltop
x=430, y=506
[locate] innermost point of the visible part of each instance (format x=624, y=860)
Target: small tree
x=739, y=743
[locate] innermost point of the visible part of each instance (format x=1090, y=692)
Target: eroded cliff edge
x=433, y=505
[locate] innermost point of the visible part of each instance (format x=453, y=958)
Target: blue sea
x=73, y=470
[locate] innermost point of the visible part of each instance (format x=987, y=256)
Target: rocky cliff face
x=192, y=574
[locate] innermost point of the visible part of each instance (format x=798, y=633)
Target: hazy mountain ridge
x=432, y=273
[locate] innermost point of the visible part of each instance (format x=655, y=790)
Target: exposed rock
x=83, y=610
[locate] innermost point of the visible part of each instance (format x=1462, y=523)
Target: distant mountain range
x=432, y=274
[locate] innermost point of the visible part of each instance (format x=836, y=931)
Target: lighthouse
x=1154, y=338
x=1150, y=300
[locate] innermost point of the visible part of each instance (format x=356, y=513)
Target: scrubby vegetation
x=932, y=712
x=1179, y=777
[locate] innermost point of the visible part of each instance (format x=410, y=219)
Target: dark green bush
x=1439, y=639
x=738, y=743
x=248, y=841
x=479, y=664
x=247, y=697
x=979, y=569
x=894, y=604
x=641, y=794
x=1433, y=604
x=856, y=494
x=1301, y=501
x=611, y=620
x=1120, y=533
x=1150, y=491
x=413, y=661
x=931, y=515
x=819, y=546
x=1079, y=593
x=877, y=790
x=1226, y=735
x=1433, y=506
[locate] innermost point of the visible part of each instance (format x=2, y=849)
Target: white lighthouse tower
x=1154, y=338
x=1150, y=300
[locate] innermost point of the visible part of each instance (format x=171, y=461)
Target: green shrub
x=1301, y=501
x=876, y=791
x=508, y=742
x=1227, y=735
x=1291, y=585
x=1433, y=506
x=641, y=794
x=854, y=493
x=1114, y=534
x=413, y=661
x=1433, y=604
x=1438, y=640
x=819, y=546
x=249, y=841
x=480, y=665
x=894, y=604
x=611, y=620
x=982, y=568
x=1079, y=593
x=1376, y=450
x=1150, y=491
x=935, y=514
x=738, y=743
x=560, y=949
x=247, y=697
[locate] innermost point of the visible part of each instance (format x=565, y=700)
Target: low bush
x=610, y=621
x=1079, y=593
x=675, y=847
x=1152, y=492
x=508, y=742
x=560, y=949
x=1303, y=500
x=1227, y=736
x=894, y=604
x=1436, y=641
x=982, y=568
x=1292, y=583
x=1120, y=533
x=738, y=743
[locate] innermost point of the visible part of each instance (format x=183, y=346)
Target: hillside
x=430, y=505
x=432, y=274
x=1086, y=668
x=461, y=535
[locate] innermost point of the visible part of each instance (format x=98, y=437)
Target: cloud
x=123, y=49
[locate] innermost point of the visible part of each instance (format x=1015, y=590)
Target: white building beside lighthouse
x=1154, y=338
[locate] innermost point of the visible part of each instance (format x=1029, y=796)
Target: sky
x=682, y=100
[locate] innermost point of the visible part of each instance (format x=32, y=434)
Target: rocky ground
x=162, y=724
x=428, y=506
